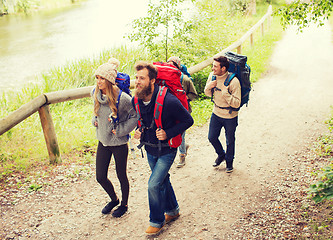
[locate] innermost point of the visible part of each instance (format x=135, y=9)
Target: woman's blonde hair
x=112, y=92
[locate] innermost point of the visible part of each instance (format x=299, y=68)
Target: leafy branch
x=303, y=14
x=323, y=189
x=163, y=24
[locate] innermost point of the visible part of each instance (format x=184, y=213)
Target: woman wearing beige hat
x=112, y=135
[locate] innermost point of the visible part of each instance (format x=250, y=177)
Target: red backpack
x=168, y=77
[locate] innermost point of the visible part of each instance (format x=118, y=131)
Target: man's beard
x=146, y=91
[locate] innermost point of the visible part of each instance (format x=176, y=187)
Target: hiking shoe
x=181, y=161
x=153, y=230
x=229, y=170
x=169, y=218
x=218, y=161
x=107, y=209
x=120, y=211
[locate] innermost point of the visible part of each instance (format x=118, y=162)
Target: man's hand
x=160, y=134
x=137, y=133
x=212, y=84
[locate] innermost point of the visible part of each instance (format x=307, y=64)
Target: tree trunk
x=252, y=7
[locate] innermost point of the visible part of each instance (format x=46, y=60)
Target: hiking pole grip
x=141, y=142
x=141, y=138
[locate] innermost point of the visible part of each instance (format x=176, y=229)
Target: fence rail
x=42, y=102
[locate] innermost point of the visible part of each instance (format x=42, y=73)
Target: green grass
x=30, y=6
x=259, y=55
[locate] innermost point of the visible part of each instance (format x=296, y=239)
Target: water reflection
x=32, y=44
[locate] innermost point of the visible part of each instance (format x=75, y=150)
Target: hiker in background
x=224, y=98
x=176, y=119
x=112, y=137
x=191, y=94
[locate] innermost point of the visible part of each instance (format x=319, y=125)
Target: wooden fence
x=42, y=102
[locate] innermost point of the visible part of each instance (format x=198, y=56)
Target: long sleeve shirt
x=229, y=96
x=175, y=120
x=127, y=121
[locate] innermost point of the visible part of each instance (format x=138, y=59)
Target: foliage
x=27, y=6
x=260, y=53
x=201, y=111
x=200, y=79
x=303, y=13
x=163, y=23
x=3, y=7
x=323, y=189
x=239, y=5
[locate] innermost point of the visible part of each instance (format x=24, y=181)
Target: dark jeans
x=103, y=158
x=162, y=198
x=215, y=126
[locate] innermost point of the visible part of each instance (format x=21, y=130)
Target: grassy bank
x=73, y=119
x=29, y=6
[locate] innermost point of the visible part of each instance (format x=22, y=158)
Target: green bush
x=323, y=189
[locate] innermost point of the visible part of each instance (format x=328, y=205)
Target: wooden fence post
x=251, y=39
x=239, y=49
x=262, y=29
x=49, y=134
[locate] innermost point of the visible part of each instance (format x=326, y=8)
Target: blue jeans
x=182, y=147
x=215, y=126
x=162, y=198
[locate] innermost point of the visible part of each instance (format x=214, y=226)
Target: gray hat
x=108, y=70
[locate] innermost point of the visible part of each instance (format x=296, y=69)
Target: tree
x=302, y=13
x=163, y=23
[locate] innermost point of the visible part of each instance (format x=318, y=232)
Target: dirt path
x=286, y=111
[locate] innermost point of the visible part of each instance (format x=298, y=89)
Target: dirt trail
x=286, y=110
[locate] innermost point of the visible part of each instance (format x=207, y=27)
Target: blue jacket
x=175, y=120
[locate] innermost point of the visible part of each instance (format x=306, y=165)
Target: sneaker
x=229, y=170
x=169, y=218
x=181, y=161
x=153, y=230
x=218, y=161
x=107, y=209
x=120, y=211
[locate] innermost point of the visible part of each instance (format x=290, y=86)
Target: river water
x=31, y=44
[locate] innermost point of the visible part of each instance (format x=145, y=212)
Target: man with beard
x=176, y=119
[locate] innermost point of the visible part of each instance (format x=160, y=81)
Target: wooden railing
x=42, y=102
x=238, y=44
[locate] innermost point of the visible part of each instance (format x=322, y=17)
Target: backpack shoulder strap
x=137, y=109
x=159, y=106
x=117, y=105
x=229, y=78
